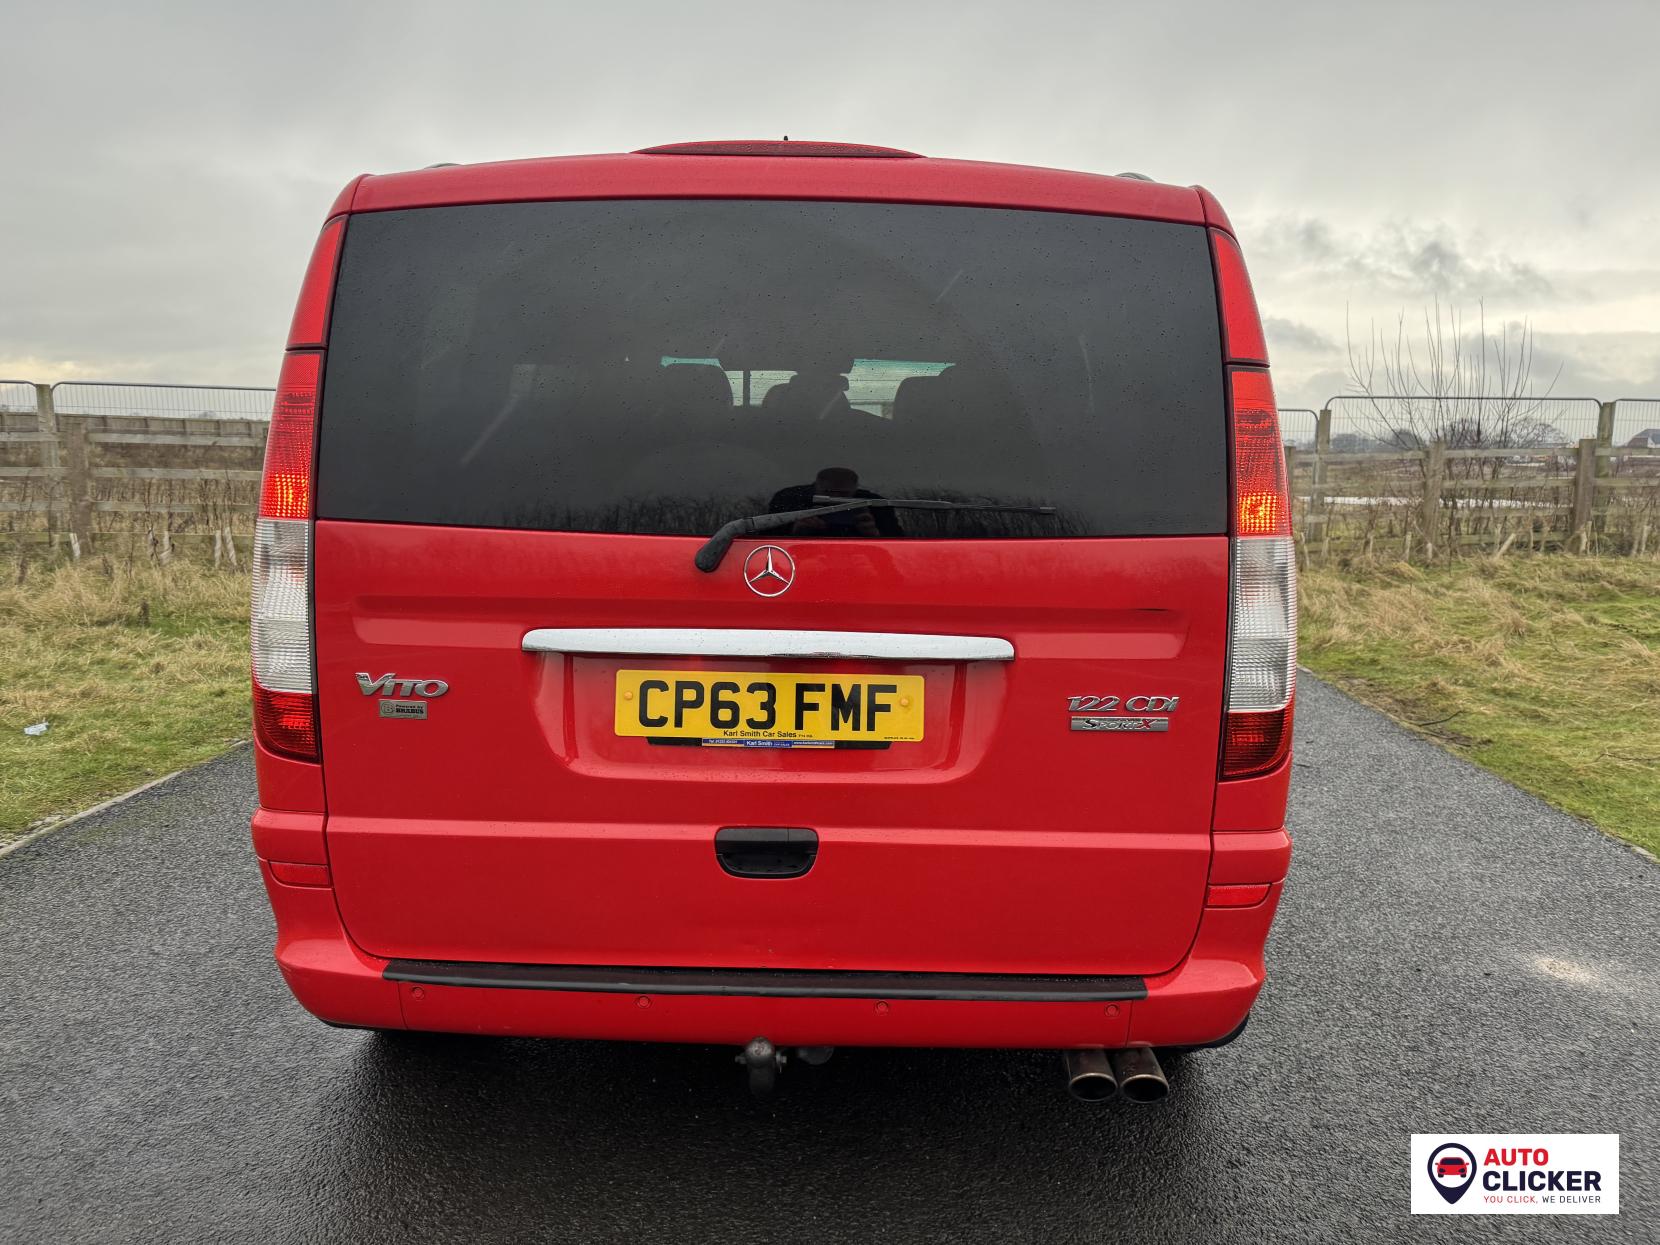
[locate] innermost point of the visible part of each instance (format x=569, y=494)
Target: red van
x=779, y=594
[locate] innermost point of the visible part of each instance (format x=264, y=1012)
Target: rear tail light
x=285, y=491
x=284, y=683
x=284, y=675
x=1262, y=655
x=1262, y=641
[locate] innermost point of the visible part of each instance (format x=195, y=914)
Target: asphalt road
x=1451, y=955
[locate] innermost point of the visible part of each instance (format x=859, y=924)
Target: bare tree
x=1457, y=384
x=1469, y=389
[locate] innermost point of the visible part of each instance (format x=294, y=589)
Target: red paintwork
x=513, y=825
x=348, y=192
x=287, y=785
x=1214, y=216
x=1210, y=994
x=289, y=836
x=330, y=977
x=1241, y=858
x=637, y=176
x=573, y=845
x=1253, y=803
x=773, y=147
x=310, y=326
x=1203, y=1000
x=1241, y=325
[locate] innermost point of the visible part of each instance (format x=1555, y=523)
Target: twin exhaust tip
x=1095, y=1075
x=1092, y=1074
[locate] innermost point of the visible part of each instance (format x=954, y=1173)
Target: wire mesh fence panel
x=1365, y=423
x=161, y=401
x=1297, y=426
x=17, y=397
x=1637, y=417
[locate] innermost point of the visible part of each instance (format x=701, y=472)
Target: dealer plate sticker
x=1515, y=1173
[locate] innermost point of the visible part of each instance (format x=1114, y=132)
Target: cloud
x=1294, y=335
x=171, y=162
x=1410, y=260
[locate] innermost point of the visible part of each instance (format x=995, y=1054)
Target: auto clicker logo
x=1515, y=1174
x=1452, y=1170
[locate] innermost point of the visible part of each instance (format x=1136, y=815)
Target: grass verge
x=1545, y=669
x=136, y=672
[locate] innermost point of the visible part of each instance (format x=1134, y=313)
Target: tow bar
x=763, y=1062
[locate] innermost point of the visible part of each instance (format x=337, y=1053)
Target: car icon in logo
x=1452, y=1170
x=769, y=571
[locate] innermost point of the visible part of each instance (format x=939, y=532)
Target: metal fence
x=85, y=461
x=1371, y=422
x=1357, y=422
x=1298, y=425
x=17, y=397
x=85, y=397
x=1636, y=417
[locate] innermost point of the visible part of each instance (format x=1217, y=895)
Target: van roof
x=685, y=171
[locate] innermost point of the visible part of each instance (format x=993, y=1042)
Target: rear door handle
x=766, y=851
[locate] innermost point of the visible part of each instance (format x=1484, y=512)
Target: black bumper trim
x=768, y=983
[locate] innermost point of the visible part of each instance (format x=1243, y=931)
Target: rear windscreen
x=662, y=366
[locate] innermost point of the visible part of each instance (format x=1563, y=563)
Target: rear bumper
x=1201, y=1001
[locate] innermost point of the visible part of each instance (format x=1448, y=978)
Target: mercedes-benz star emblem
x=769, y=570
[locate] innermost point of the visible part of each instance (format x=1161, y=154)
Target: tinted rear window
x=661, y=366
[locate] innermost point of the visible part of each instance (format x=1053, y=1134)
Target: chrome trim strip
x=738, y=642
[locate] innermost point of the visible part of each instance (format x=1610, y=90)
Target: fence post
x=46, y=423
x=1317, y=485
x=1298, y=530
x=1435, y=474
x=1604, y=463
x=1585, y=485
x=78, y=478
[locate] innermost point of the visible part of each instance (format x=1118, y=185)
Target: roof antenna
x=786, y=138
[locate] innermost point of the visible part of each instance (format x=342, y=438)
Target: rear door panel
x=513, y=824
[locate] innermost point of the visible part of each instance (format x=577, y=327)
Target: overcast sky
x=164, y=167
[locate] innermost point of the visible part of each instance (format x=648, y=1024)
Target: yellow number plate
x=717, y=706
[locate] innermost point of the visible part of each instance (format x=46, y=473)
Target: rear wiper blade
x=714, y=549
